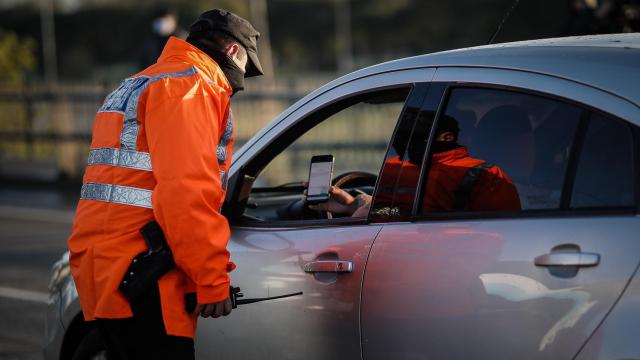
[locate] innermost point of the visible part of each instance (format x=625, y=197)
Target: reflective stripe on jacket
x=160, y=149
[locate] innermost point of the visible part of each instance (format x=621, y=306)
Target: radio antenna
x=504, y=18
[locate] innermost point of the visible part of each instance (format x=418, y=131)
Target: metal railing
x=45, y=133
x=50, y=128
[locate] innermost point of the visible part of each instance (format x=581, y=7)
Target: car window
x=498, y=150
x=604, y=174
x=357, y=137
x=355, y=131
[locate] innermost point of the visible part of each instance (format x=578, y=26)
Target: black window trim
x=577, y=146
x=421, y=91
x=426, y=159
x=272, y=149
x=541, y=213
x=635, y=136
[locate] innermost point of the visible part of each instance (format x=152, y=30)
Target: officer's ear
x=232, y=50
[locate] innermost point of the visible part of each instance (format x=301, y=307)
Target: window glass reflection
x=604, y=177
x=496, y=150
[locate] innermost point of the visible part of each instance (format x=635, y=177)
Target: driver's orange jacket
x=160, y=150
x=493, y=190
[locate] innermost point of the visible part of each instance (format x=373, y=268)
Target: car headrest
x=504, y=137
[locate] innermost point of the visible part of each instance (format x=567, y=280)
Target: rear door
x=504, y=284
x=281, y=248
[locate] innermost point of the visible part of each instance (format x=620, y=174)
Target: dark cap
x=235, y=26
x=448, y=123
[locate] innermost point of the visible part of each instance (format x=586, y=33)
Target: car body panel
x=617, y=337
x=70, y=303
x=584, y=65
x=432, y=286
x=54, y=331
x=321, y=324
x=584, y=59
x=532, y=81
x=67, y=307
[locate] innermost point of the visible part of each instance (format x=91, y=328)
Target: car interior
x=355, y=130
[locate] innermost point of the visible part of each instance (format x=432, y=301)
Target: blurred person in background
x=164, y=25
x=161, y=151
x=588, y=17
x=630, y=15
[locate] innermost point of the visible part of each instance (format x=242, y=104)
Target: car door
x=504, y=283
x=281, y=249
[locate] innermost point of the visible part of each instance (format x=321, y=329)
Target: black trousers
x=143, y=336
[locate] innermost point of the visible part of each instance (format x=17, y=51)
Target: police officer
x=161, y=150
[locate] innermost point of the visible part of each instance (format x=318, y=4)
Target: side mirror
x=238, y=196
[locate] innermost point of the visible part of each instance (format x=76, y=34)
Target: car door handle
x=333, y=266
x=579, y=259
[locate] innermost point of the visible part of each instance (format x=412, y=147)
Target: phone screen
x=319, y=181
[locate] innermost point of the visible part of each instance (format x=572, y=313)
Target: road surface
x=31, y=240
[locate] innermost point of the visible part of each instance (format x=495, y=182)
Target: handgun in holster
x=147, y=267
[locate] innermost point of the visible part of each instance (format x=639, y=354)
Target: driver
x=456, y=182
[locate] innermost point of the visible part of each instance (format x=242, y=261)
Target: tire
x=91, y=347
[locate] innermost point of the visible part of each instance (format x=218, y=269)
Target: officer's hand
x=214, y=309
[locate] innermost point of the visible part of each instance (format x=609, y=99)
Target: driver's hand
x=340, y=202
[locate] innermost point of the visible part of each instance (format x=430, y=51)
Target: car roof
x=608, y=62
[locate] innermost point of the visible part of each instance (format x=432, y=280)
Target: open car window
x=356, y=131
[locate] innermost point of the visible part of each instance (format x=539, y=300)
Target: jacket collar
x=455, y=154
x=177, y=49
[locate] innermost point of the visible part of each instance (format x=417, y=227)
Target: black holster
x=147, y=267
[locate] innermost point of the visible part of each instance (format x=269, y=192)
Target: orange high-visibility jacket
x=160, y=150
x=493, y=190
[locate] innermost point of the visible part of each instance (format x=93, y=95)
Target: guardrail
x=50, y=128
x=45, y=133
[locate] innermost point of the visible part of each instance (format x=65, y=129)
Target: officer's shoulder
x=181, y=82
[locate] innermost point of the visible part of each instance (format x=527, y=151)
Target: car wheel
x=91, y=347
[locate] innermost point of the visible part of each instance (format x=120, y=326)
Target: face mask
x=231, y=70
x=442, y=146
x=234, y=74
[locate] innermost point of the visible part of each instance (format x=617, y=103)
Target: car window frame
x=427, y=108
x=304, y=124
x=572, y=163
x=635, y=136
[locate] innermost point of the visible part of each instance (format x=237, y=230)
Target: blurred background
x=60, y=58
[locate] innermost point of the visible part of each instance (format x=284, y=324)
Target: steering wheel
x=298, y=210
x=353, y=179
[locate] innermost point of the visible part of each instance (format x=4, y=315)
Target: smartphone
x=320, y=174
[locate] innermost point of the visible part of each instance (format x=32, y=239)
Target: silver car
x=553, y=278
